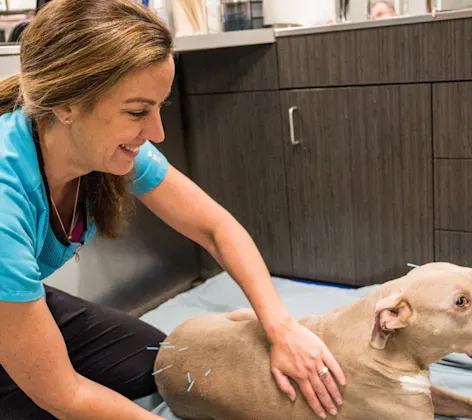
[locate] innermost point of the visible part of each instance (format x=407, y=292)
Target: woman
x=382, y=10
x=74, y=130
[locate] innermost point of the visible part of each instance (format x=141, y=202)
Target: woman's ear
x=64, y=115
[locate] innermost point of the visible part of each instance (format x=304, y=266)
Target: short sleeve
x=150, y=169
x=19, y=270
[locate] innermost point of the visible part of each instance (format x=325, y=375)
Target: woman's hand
x=299, y=354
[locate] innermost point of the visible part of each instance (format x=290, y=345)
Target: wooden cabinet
x=454, y=247
x=420, y=52
x=452, y=108
x=452, y=111
x=381, y=175
x=241, y=69
x=359, y=183
x=237, y=157
x=453, y=194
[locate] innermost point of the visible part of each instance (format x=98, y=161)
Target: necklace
x=73, y=221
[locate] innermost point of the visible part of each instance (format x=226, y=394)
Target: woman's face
x=382, y=10
x=109, y=137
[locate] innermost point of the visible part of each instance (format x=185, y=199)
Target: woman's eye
x=462, y=301
x=141, y=114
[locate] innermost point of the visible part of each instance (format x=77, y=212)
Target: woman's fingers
x=332, y=388
x=334, y=367
x=323, y=393
x=307, y=390
x=284, y=383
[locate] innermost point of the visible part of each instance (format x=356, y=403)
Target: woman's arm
x=296, y=352
x=34, y=354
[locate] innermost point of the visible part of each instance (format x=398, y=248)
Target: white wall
x=22, y=4
x=417, y=7
x=455, y=4
x=9, y=64
x=357, y=10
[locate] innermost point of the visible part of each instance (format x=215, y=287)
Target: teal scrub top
x=29, y=249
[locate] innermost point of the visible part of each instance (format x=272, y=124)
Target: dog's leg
x=449, y=404
x=244, y=314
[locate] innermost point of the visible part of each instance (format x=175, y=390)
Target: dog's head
x=433, y=311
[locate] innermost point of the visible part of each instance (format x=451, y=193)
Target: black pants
x=104, y=345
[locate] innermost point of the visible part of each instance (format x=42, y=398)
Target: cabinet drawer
x=452, y=111
x=240, y=69
x=422, y=52
x=454, y=247
x=453, y=194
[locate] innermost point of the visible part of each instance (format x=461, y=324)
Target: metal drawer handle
x=292, y=125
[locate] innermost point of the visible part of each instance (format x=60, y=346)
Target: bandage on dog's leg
x=449, y=404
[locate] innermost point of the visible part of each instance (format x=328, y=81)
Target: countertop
x=269, y=35
x=198, y=42
x=367, y=24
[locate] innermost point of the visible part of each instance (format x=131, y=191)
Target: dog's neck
x=405, y=351
x=416, y=346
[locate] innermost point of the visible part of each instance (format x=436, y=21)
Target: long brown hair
x=71, y=54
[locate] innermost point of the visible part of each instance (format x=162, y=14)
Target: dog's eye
x=462, y=302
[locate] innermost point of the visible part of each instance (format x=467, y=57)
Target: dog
x=385, y=342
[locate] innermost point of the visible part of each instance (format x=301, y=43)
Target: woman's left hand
x=299, y=354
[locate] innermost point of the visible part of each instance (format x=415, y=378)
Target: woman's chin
x=121, y=169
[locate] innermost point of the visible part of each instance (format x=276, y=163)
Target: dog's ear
x=391, y=313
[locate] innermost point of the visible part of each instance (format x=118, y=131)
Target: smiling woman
x=76, y=127
x=73, y=79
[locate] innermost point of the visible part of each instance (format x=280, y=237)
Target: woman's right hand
x=299, y=354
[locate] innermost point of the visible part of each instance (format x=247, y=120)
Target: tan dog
x=384, y=342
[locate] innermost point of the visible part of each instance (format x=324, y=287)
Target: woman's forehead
x=152, y=83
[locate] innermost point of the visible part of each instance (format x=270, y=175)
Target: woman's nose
x=154, y=130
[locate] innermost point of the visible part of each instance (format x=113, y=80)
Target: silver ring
x=323, y=371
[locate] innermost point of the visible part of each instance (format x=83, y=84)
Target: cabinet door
x=236, y=156
x=453, y=247
x=452, y=103
x=360, y=181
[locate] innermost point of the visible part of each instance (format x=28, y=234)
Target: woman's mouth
x=131, y=151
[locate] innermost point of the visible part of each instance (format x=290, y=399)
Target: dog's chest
x=416, y=384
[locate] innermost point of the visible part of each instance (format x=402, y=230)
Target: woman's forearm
x=236, y=252
x=96, y=402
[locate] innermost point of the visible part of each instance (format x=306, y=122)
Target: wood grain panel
x=236, y=156
x=452, y=111
x=453, y=194
x=423, y=52
x=360, y=184
x=239, y=69
x=454, y=247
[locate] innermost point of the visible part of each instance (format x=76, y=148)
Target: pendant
x=76, y=253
